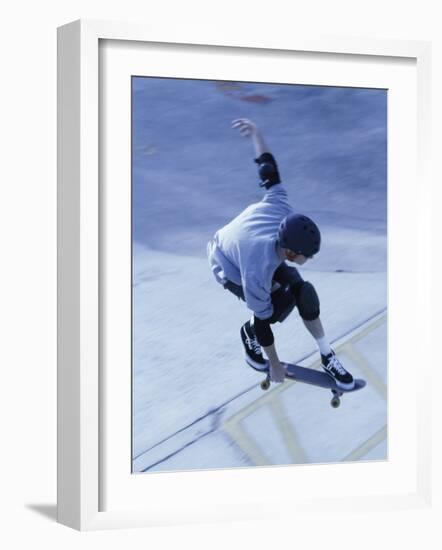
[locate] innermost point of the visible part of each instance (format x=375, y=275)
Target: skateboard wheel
x=335, y=402
x=265, y=384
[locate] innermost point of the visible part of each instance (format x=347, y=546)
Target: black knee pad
x=307, y=301
x=284, y=302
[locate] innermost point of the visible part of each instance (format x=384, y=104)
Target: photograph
x=259, y=274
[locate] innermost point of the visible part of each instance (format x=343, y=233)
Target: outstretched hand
x=245, y=126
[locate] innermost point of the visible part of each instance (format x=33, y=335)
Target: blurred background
x=192, y=173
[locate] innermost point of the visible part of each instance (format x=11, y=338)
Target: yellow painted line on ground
x=244, y=441
x=368, y=373
x=360, y=333
x=234, y=428
x=370, y=328
x=367, y=446
x=288, y=433
x=267, y=397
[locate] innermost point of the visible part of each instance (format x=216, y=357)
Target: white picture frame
x=80, y=313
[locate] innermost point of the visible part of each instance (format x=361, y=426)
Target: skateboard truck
x=335, y=401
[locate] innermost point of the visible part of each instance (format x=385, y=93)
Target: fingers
x=244, y=125
x=239, y=121
x=277, y=377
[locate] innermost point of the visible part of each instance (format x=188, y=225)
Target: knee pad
x=283, y=306
x=307, y=301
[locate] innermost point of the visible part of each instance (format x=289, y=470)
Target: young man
x=248, y=257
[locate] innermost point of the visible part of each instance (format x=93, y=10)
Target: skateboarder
x=249, y=256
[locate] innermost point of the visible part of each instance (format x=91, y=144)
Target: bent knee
x=307, y=301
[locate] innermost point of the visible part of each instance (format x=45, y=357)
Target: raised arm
x=247, y=128
x=267, y=167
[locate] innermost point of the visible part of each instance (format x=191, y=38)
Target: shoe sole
x=254, y=365
x=339, y=384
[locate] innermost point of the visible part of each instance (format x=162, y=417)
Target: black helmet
x=299, y=234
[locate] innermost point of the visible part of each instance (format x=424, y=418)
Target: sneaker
x=333, y=367
x=254, y=356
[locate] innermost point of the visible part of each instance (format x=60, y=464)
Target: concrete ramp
x=291, y=423
x=294, y=423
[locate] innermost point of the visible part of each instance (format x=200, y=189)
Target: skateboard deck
x=315, y=378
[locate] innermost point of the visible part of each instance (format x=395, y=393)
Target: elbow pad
x=263, y=331
x=268, y=170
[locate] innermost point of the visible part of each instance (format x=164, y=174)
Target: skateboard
x=314, y=378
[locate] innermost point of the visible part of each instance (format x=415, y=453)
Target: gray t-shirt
x=245, y=250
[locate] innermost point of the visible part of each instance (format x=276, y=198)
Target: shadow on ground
x=48, y=511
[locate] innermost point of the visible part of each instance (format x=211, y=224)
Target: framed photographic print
x=236, y=225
